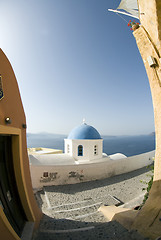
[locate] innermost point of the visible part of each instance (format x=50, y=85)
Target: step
x=106, y=231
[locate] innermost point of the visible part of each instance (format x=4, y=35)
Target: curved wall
x=70, y=174
x=148, y=39
x=11, y=107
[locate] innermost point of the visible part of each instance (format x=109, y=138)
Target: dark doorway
x=9, y=197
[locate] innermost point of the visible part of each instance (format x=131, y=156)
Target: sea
x=128, y=145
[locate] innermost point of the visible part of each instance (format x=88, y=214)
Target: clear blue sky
x=73, y=59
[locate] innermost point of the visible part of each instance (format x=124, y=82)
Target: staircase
x=73, y=215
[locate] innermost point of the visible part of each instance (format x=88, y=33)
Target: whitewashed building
x=84, y=143
x=82, y=161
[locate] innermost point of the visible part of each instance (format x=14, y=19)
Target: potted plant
x=133, y=25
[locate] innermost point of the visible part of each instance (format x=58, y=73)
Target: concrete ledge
x=134, y=202
x=124, y=216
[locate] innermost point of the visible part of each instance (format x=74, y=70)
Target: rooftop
x=84, y=131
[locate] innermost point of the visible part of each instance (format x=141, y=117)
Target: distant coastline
x=56, y=135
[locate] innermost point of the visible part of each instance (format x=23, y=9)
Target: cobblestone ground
x=71, y=211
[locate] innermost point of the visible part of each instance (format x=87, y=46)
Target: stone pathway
x=71, y=211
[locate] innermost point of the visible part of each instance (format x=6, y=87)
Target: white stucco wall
x=68, y=142
x=117, y=156
x=73, y=173
x=88, y=148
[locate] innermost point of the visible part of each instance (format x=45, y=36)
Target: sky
x=73, y=59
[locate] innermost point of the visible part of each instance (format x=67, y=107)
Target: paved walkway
x=71, y=211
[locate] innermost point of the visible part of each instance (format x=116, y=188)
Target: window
x=80, y=150
x=68, y=148
x=95, y=150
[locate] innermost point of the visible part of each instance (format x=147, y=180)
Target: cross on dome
x=84, y=121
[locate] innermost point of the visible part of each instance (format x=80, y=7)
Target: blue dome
x=84, y=131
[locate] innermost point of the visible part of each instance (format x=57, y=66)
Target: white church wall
x=68, y=148
x=88, y=148
x=70, y=174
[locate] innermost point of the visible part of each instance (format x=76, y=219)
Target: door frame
x=18, y=166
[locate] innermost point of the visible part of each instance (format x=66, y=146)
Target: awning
x=128, y=7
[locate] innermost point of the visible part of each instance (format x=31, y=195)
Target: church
x=83, y=145
x=83, y=160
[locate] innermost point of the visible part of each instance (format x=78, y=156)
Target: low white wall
x=70, y=174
